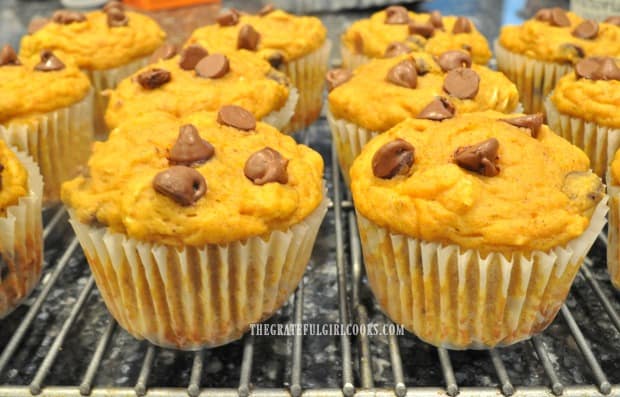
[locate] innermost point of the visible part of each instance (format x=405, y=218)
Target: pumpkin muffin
x=613, y=243
x=196, y=80
x=295, y=45
x=47, y=113
x=537, y=53
x=474, y=228
x=396, y=31
x=108, y=45
x=380, y=94
x=199, y=228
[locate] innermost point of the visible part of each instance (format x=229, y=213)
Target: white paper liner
x=597, y=141
x=281, y=118
x=455, y=298
x=196, y=297
x=534, y=79
x=308, y=75
x=613, y=230
x=58, y=141
x=21, y=241
x=351, y=60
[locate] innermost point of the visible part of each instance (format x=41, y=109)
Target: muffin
x=396, y=31
x=584, y=106
x=537, y=53
x=380, y=94
x=474, y=228
x=21, y=235
x=613, y=243
x=195, y=81
x=46, y=111
x=199, y=228
x=108, y=45
x=295, y=45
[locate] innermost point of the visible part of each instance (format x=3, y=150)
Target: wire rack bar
x=397, y=367
x=297, y=342
x=365, y=357
x=556, y=386
x=246, y=366
x=507, y=387
x=95, y=361
x=193, y=388
x=613, y=315
x=145, y=370
x=53, y=222
x=448, y=373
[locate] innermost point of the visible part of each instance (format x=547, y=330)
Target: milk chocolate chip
x=586, y=30
x=236, y=117
x=49, y=62
x=190, y=149
x=191, y=56
x=614, y=20
x=66, y=17
x=8, y=57
x=597, y=68
x=454, y=59
x=336, y=77
x=265, y=166
x=276, y=59
x=213, y=66
x=404, y=74
x=396, y=48
x=439, y=109
x=532, y=122
x=358, y=43
x=267, y=9
x=37, y=24
x=248, y=38
x=436, y=20
x=462, y=25
x=153, y=78
x=183, y=184
x=554, y=16
x=396, y=15
x=424, y=29
x=571, y=51
x=462, y=83
x=480, y=158
x=229, y=18
x=113, y=4
x=117, y=18
x=393, y=158
x=1, y=169
x=609, y=69
x=166, y=51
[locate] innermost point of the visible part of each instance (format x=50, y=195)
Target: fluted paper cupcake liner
x=613, y=231
x=458, y=299
x=599, y=142
x=308, y=75
x=281, y=118
x=21, y=242
x=351, y=60
x=534, y=79
x=58, y=141
x=197, y=296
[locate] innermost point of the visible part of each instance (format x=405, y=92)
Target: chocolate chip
x=396, y=48
x=117, y=18
x=248, y=38
x=153, y=78
x=425, y=29
x=190, y=149
x=166, y=51
x=404, y=74
x=543, y=15
x=571, y=51
x=480, y=158
x=113, y=4
x=276, y=59
x=358, y=43
x=229, y=18
x=439, y=109
x=462, y=83
x=454, y=59
x=393, y=158
x=466, y=47
x=213, y=66
x=191, y=56
x=609, y=69
x=8, y=57
x=236, y=117
x=1, y=169
x=587, y=30
x=265, y=166
x=396, y=15
x=37, y=24
x=337, y=77
x=436, y=20
x=183, y=184
x=554, y=16
x=267, y=9
x=597, y=68
x=614, y=20
x=531, y=121
x=49, y=62
x=66, y=17
x=462, y=25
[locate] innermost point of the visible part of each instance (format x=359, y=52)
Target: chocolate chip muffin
x=199, y=228
x=474, y=228
x=613, y=229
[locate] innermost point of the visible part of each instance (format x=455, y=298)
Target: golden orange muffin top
x=274, y=34
x=432, y=33
x=208, y=178
x=200, y=82
x=591, y=93
x=555, y=35
x=477, y=181
x=38, y=84
x=384, y=92
x=96, y=40
x=13, y=178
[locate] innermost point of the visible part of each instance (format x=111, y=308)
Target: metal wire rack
x=66, y=353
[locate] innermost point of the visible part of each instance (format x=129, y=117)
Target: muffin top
x=208, y=178
x=555, y=35
x=190, y=83
x=38, y=84
x=407, y=85
x=96, y=40
x=592, y=92
x=477, y=181
x=274, y=34
x=13, y=178
x=432, y=33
